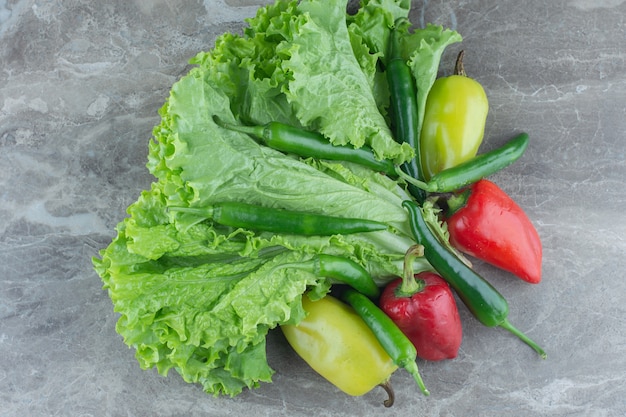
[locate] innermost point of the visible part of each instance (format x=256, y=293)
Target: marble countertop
x=80, y=86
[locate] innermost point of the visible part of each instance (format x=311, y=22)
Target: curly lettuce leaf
x=374, y=20
x=195, y=305
x=327, y=87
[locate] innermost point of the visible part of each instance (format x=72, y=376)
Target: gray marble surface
x=80, y=85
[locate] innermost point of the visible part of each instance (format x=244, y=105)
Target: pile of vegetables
x=314, y=174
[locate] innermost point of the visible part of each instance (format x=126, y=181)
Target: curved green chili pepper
x=477, y=168
x=404, y=109
x=399, y=348
x=340, y=269
x=253, y=217
x=346, y=271
x=307, y=144
x=480, y=297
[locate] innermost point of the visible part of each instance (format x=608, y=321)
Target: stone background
x=80, y=85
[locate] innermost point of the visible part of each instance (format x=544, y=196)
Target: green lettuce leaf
x=375, y=19
x=327, y=87
x=194, y=304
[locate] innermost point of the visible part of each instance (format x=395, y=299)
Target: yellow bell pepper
x=339, y=346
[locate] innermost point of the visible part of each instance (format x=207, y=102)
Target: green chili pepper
x=339, y=269
x=475, y=169
x=307, y=144
x=480, y=297
x=404, y=108
x=399, y=348
x=253, y=217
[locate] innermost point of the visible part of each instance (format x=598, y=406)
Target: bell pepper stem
x=391, y=396
x=410, y=285
x=459, y=68
x=457, y=201
x=508, y=326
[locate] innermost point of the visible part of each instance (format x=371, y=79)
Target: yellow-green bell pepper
x=339, y=346
x=454, y=121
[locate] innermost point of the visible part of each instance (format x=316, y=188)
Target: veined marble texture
x=80, y=85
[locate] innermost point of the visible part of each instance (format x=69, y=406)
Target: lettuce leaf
x=325, y=74
x=200, y=298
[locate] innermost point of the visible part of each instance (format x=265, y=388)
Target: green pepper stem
x=207, y=212
x=411, y=368
x=410, y=285
x=426, y=186
x=508, y=326
x=258, y=131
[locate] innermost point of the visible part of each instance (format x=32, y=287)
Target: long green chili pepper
x=472, y=170
x=403, y=105
x=399, y=348
x=307, y=144
x=253, y=217
x=341, y=269
x=480, y=297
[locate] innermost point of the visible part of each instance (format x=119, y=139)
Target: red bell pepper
x=423, y=307
x=484, y=222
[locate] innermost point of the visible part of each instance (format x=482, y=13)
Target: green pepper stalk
x=389, y=335
x=475, y=169
x=260, y=218
x=480, y=297
x=403, y=105
x=307, y=144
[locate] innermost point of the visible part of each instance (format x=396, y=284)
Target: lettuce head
x=199, y=298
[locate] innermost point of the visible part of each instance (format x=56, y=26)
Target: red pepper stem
x=410, y=285
x=508, y=326
x=456, y=202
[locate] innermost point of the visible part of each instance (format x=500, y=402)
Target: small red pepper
x=423, y=307
x=484, y=222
